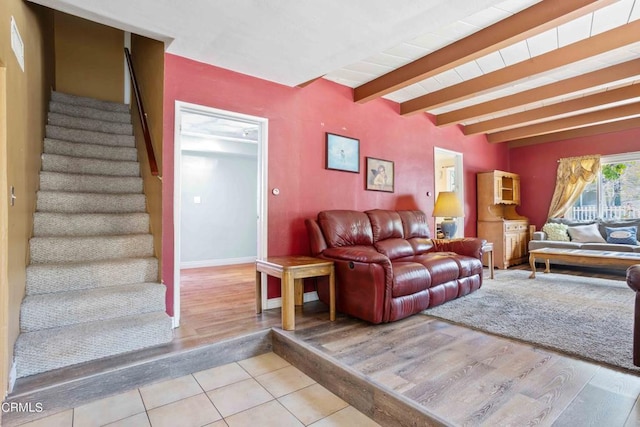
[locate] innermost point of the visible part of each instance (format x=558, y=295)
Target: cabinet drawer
x=521, y=226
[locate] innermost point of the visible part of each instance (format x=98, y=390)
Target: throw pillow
x=556, y=231
x=622, y=235
x=586, y=234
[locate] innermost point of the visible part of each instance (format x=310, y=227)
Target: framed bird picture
x=343, y=153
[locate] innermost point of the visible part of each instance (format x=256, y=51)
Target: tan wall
x=27, y=95
x=148, y=60
x=89, y=58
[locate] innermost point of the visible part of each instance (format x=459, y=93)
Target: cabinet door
x=511, y=247
x=497, y=189
x=516, y=190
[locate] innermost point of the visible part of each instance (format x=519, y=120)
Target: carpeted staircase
x=92, y=285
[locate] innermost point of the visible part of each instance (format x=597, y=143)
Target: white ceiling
x=353, y=42
x=285, y=41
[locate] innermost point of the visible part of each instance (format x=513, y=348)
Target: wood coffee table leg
x=532, y=263
x=546, y=265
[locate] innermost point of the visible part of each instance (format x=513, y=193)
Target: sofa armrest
x=633, y=277
x=365, y=254
x=539, y=235
x=469, y=246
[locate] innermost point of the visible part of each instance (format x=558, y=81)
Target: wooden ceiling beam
x=549, y=111
x=583, y=49
x=599, y=129
x=566, y=123
x=584, y=81
x=520, y=26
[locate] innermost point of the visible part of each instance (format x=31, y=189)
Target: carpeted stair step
x=58, y=201
x=48, y=278
x=48, y=250
x=63, y=120
x=90, y=305
x=89, y=102
x=49, y=349
x=94, y=151
x=57, y=163
x=89, y=112
x=71, y=182
x=89, y=137
x=89, y=224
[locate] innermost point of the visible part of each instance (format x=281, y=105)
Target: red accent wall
x=537, y=166
x=298, y=120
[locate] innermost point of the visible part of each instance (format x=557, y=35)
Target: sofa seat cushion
x=441, y=266
x=541, y=244
x=613, y=247
x=394, y=248
x=469, y=266
x=409, y=278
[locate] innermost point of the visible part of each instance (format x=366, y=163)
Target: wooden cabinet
x=498, y=220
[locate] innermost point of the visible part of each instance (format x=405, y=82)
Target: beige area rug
x=579, y=316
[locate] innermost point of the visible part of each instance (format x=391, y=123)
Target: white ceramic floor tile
x=220, y=376
x=239, y=396
x=61, y=419
x=284, y=381
x=159, y=394
x=220, y=423
x=348, y=416
x=270, y=414
x=262, y=364
x=312, y=403
x=108, y=410
x=139, y=420
x=194, y=411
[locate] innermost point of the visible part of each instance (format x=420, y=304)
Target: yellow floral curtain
x=574, y=173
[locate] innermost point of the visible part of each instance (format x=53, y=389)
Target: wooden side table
x=291, y=270
x=487, y=248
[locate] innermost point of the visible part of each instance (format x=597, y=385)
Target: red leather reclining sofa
x=387, y=265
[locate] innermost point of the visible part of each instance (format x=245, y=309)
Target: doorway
x=220, y=190
x=449, y=177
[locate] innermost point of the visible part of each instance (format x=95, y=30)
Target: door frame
x=263, y=124
x=5, y=356
x=459, y=179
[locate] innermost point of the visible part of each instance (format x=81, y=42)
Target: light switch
x=196, y=199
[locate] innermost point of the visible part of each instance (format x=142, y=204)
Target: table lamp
x=448, y=206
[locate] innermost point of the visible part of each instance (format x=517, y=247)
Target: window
x=615, y=193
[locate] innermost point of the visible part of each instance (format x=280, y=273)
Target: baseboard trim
x=216, y=262
x=277, y=302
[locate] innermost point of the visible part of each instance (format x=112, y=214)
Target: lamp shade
x=448, y=205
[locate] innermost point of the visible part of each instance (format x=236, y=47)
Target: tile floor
x=265, y=390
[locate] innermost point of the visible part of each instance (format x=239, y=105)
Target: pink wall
x=537, y=166
x=298, y=120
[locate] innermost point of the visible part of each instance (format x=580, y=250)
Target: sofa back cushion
x=345, y=228
x=385, y=224
x=388, y=236
x=414, y=224
x=416, y=231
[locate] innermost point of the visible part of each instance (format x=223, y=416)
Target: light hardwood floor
x=460, y=375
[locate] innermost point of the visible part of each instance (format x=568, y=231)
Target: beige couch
x=540, y=239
